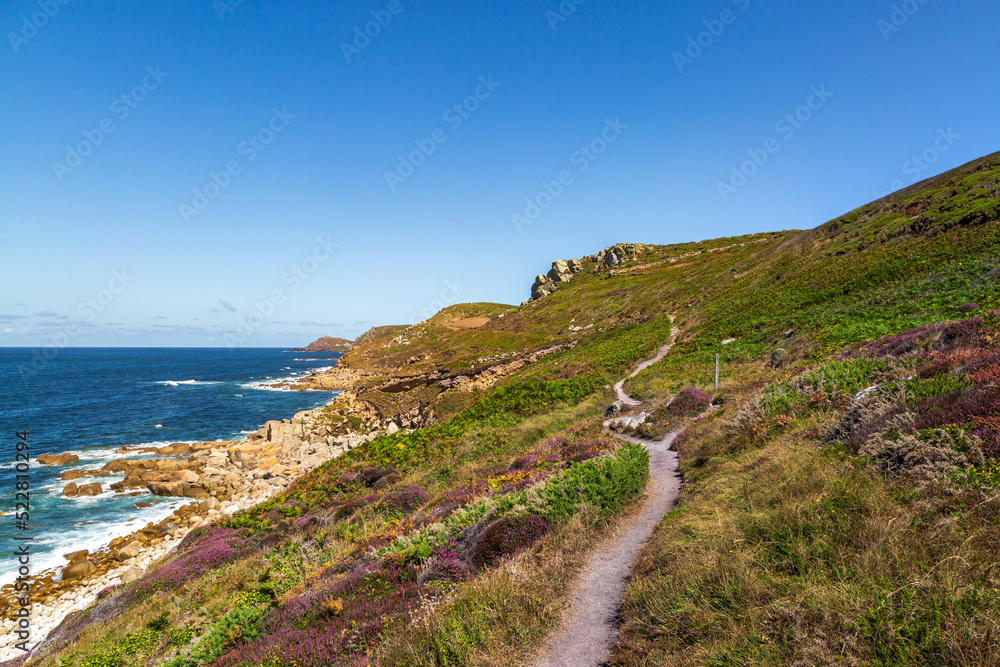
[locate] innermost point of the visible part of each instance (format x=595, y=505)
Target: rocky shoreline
x=219, y=478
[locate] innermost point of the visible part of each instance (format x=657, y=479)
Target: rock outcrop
x=57, y=459
x=94, y=489
x=616, y=255
x=562, y=272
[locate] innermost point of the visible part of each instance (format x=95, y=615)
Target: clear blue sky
x=327, y=124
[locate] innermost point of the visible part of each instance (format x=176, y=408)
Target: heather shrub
x=919, y=338
x=689, y=402
x=969, y=332
x=961, y=406
x=216, y=547
x=445, y=564
x=403, y=501
x=985, y=369
x=505, y=537
x=526, y=462
x=330, y=624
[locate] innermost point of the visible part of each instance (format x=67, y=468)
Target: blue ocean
x=91, y=401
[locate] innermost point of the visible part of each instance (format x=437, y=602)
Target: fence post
x=716, y=372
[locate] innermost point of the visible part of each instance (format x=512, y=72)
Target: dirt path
x=662, y=352
x=588, y=626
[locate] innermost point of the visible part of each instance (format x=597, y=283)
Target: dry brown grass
x=784, y=552
x=502, y=618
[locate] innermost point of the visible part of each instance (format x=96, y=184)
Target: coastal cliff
x=840, y=481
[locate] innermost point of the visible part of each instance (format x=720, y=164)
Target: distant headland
x=327, y=344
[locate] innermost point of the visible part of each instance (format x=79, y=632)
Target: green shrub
x=606, y=483
x=239, y=626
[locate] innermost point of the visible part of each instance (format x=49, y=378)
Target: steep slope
x=455, y=543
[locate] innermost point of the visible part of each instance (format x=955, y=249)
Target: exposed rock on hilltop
x=563, y=271
x=618, y=254
x=327, y=344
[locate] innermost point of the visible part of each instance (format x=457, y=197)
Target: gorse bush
x=133, y=649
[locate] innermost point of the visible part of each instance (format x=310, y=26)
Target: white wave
x=86, y=535
x=95, y=454
x=271, y=384
x=190, y=383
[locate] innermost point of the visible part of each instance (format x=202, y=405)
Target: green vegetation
x=839, y=507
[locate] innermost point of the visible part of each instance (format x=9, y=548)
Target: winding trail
x=588, y=626
x=662, y=352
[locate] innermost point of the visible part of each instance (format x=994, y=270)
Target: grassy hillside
x=814, y=528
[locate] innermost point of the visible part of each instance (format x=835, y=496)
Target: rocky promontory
x=327, y=344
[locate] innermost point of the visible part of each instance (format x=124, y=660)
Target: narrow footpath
x=588, y=626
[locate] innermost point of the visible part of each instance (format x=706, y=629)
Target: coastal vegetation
x=840, y=503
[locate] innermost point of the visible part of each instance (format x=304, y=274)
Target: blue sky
x=253, y=174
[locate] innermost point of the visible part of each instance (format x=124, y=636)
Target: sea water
x=91, y=401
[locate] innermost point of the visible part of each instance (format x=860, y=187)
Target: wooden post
x=716, y=372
